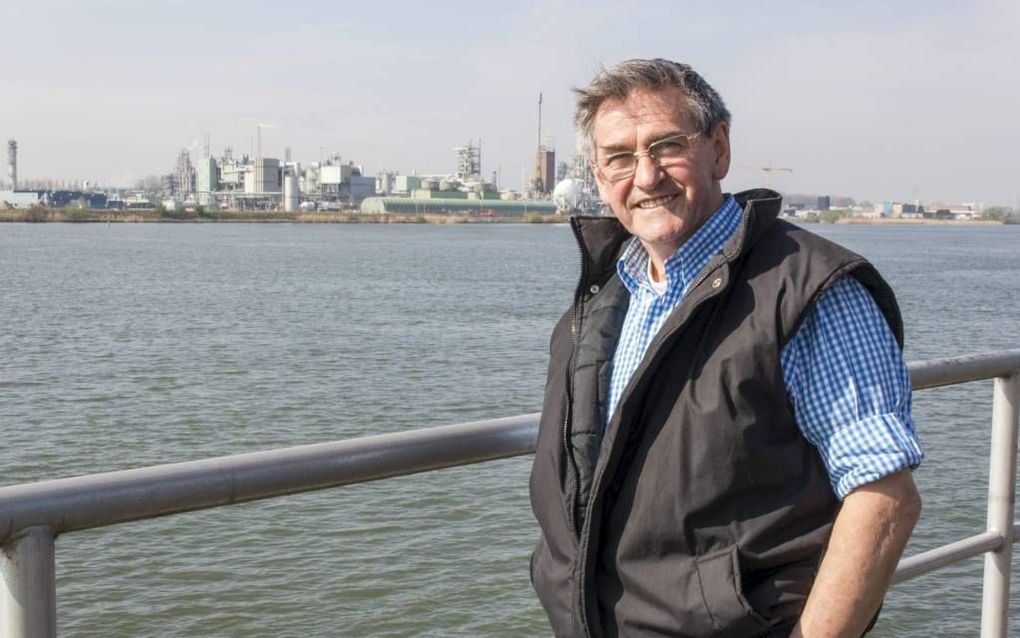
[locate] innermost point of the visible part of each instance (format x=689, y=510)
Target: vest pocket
x=722, y=593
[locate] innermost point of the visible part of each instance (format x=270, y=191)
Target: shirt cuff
x=870, y=449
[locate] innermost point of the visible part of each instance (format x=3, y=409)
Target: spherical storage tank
x=567, y=195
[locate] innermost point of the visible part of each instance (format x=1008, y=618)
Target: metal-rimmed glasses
x=665, y=152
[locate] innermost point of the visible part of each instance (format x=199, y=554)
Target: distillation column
x=12, y=163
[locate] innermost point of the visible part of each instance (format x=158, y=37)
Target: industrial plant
x=49, y=193
x=255, y=182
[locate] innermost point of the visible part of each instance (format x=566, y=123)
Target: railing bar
x=1001, y=506
x=937, y=558
x=106, y=499
x=99, y=500
x=935, y=373
x=28, y=586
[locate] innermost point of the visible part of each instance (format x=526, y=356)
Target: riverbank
x=73, y=215
x=901, y=221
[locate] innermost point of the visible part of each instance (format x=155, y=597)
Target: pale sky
x=875, y=100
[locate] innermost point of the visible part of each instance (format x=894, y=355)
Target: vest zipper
x=584, y=548
x=575, y=330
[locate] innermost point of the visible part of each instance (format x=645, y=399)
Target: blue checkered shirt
x=843, y=370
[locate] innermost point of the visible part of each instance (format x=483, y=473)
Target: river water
x=130, y=345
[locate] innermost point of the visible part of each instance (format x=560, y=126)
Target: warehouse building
x=458, y=205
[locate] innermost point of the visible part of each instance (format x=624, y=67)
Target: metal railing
x=33, y=515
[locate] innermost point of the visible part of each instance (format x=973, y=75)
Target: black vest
x=701, y=510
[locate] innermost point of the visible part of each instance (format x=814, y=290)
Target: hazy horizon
x=871, y=100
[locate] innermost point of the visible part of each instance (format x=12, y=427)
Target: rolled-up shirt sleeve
x=849, y=387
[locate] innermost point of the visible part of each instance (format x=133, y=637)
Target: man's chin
x=661, y=239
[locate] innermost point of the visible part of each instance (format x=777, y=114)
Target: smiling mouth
x=656, y=201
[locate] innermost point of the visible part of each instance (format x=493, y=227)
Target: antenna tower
x=537, y=187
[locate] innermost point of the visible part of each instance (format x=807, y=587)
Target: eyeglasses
x=665, y=152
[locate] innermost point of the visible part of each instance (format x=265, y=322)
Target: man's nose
x=647, y=173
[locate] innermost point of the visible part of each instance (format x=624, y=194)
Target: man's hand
x=867, y=540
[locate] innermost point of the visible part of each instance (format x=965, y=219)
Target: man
x=726, y=443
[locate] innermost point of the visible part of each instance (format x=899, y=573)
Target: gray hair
x=703, y=104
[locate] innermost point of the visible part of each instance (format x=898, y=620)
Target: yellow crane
x=768, y=170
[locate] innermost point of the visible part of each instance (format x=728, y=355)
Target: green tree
x=995, y=213
x=833, y=215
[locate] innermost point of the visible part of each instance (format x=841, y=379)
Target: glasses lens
x=665, y=152
x=618, y=166
x=670, y=151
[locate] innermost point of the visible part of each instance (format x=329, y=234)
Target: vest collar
x=601, y=239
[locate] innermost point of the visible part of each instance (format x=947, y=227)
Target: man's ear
x=721, y=146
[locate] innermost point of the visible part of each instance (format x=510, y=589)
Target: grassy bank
x=74, y=215
x=895, y=221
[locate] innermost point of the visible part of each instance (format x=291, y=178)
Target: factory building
x=184, y=175
x=392, y=183
x=384, y=183
x=332, y=178
x=207, y=180
x=232, y=172
x=344, y=183
x=21, y=199
x=361, y=187
x=404, y=184
x=547, y=166
x=309, y=181
x=53, y=199
x=263, y=176
x=469, y=162
x=470, y=206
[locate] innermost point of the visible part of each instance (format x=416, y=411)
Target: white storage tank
x=567, y=195
x=290, y=192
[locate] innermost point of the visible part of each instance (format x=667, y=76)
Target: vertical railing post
x=28, y=587
x=1001, y=502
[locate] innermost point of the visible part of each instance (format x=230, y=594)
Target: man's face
x=661, y=206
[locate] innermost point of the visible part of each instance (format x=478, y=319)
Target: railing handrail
x=935, y=373
x=33, y=514
x=98, y=500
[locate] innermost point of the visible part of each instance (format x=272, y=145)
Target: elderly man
x=726, y=443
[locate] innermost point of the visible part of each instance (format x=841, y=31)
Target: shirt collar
x=689, y=259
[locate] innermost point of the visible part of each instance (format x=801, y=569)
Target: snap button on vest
x=594, y=289
x=717, y=282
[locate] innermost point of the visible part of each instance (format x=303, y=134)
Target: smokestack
x=12, y=163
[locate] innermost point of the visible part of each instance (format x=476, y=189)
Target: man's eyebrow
x=625, y=148
x=666, y=136
x=615, y=148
